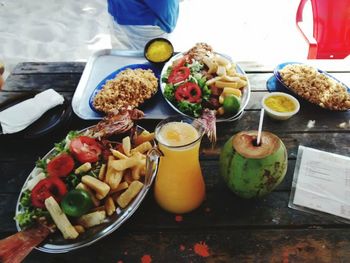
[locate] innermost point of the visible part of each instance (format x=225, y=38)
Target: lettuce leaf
x=193, y=109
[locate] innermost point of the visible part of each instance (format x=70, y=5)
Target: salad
x=201, y=79
x=84, y=179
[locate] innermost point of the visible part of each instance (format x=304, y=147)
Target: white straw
x=260, y=126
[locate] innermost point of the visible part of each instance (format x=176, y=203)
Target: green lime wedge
x=231, y=104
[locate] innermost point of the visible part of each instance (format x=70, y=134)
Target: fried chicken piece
x=117, y=122
x=199, y=51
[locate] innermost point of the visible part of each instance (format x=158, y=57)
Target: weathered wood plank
x=7, y=212
x=331, y=142
x=40, y=82
x=14, y=173
x=270, y=211
x=241, y=245
x=335, y=65
x=263, y=230
x=221, y=209
x=69, y=81
x=337, y=142
x=48, y=67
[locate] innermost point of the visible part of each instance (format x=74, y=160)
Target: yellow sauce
x=280, y=103
x=159, y=51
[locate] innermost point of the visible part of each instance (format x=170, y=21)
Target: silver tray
x=101, y=64
x=55, y=243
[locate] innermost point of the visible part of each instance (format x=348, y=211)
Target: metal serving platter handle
x=55, y=243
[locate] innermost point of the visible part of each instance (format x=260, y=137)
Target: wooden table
x=235, y=230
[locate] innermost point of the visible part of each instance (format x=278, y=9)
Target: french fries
x=98, y=186
x=121, y=165
x=118, y=154
x=227, y=79
x=125, y=198
x=122, y=186
x=92, y=219
x=142, y=148
x=126, y=143
x=118, y=182
x=110, y=206
x=113, y=177
x=226, y=71
x=83, y=168
x=145, y=136
x=67, y=229
x=82, y=186
x=101, y=174
x=80, y=229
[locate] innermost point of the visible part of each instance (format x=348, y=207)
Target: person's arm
x=167, y=12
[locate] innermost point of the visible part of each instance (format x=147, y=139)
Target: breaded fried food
x=199, y=52
x=128, y=88
x=316, y=87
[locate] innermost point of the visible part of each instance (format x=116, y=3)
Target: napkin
x=21, y=115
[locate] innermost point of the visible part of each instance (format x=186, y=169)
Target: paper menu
x=322, y=182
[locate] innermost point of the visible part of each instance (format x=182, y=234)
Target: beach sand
x=68, y=30
x=51, y=30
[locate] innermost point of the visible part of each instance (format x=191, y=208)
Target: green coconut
x=252, y=170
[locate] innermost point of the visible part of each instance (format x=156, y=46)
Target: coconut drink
x=252, y=170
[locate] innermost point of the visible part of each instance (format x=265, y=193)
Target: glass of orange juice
x=179, y=186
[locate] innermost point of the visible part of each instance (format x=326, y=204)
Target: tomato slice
x=181, y=93
x=51, y=186
x=180, y=62
x=178, y=74
x=61, y=165
x=85, y=149
x=188, y=91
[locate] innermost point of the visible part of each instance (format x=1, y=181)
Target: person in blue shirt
x=134, y=22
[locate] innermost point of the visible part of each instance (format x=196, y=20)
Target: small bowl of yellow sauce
x=158, y=50
x=280, y=106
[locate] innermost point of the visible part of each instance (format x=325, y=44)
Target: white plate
x=245, y=92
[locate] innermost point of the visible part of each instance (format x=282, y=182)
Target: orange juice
x=179, y=186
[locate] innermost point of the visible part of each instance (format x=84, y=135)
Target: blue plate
x=156, y=70
x=277, y=86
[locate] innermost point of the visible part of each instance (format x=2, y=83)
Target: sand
x=51, y=30
x=69, y=30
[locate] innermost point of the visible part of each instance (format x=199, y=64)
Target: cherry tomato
x=178, y=74
x=51, y=186
x=61, y=165
x=85, y=149
x=188, y=91
x=76, y=203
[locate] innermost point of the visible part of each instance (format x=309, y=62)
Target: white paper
x=21, y=115
x=323, y=182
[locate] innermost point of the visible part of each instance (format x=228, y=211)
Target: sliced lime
x=231, y=104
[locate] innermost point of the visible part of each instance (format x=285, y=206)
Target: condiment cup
x=150, y=44
x=280, y=115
